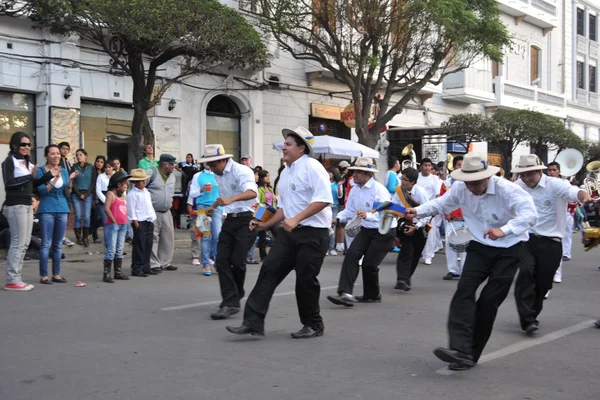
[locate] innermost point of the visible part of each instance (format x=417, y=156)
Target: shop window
x=223, y=124
x=17, y=113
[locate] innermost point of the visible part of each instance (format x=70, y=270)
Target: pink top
x=119, y=210
x=269, y=197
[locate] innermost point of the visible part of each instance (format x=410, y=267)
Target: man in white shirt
x=567, y=243
x=542, y=253
x=305, y=216
x=142, y=216
x=453, y=221
x=238, y=194
x=498, y=214
x=411, y=231
x=369, y=243
x=432, y=184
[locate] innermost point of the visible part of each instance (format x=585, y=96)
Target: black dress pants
x=471, y=321
x=408, y=258
x=235, y=240
x=303, y=249
x=374, y=247
x=142, y=247
x=262, y=241
x=540, y=260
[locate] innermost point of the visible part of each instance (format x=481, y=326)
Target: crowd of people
x=521, y=226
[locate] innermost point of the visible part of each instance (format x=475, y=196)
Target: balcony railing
x=472, y=85
x=541, y=13
x=524, y=97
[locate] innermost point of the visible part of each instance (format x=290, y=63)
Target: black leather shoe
x=244, y=330
x=307, y=332
x=402, y=286
x=450, y=277
x=158, y=270
x=459, y=367
x=140, y=274
x=597, y=324
x=152, y=272
x=531, y=328
x=170, y=268
x=225, y=312
x=361, y=299
x=454, y=357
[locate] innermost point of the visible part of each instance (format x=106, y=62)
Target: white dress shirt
x=550, y=197
x=237, y=179
x=102, y=186
x=504, y=205
x=432, y=185
x=304, y=182
x=139, y=205
x=420, y=196
x=362, y=198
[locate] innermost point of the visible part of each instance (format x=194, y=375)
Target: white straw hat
x=474, y=168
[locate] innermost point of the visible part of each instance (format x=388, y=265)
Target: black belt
x=553, y=238
x=162, y=212
x=307, y=226
x=240, y=214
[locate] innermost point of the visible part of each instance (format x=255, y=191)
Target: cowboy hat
x=304, y=134
x=364, y=164
x=214, y=152
x=116, y=179
x=529, y=162
x=138, y=174
x=474, y=168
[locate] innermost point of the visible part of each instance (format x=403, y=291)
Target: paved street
x=152, y=338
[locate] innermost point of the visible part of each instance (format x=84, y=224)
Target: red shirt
x=456, y=214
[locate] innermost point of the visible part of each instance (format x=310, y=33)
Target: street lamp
x=172, y=105
x=68, y=92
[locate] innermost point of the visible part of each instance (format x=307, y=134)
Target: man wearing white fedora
x=303, y=241
x=238, y=194
x=369, y=243
x=498, y=214
x=542, y=254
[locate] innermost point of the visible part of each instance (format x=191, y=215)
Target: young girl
x=115, y=226
x=266, y=196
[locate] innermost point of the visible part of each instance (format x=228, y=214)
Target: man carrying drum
x=498, y=214
x=452, y=222
x=369, y=243
x=542, y=254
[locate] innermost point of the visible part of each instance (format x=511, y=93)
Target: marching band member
x=369, y=243
x=432, y=184
x=301, y=244
x=498, y=213
x=411, y=234
x=542, y=253
x=454, y=260
x=567, y=243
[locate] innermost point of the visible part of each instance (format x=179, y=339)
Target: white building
x=551, y=68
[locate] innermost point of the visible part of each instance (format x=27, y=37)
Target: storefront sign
x=348, y=116
x=326, y=112
x=495, y=159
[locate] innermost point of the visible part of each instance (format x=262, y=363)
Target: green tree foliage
x=391, y=48
x=141, y=36
x=469, y=128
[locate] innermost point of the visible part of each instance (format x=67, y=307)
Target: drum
x=459, y=238
x=590, y=238
x=353, y=227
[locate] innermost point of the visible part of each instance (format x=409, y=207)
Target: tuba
x=570, y=161
x=412, y=163
x=591, y=182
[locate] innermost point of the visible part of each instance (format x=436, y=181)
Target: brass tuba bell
x=450, y=161
x=408, y=149
x=591, y=182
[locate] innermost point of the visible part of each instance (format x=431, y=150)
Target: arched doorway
x=223, y=124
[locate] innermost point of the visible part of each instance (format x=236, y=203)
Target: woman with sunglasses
x=18, y=209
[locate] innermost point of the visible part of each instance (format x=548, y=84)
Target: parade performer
x=454, y=261
x=432, y=184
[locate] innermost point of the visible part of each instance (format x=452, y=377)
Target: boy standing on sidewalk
x=142, y=216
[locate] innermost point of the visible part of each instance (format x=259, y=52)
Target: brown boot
x=84, y=236
x=118, y=272
x=107, y=276
x=78, y=236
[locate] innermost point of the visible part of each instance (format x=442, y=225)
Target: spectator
x=148, y=162
x=204, y=191
x=246, y=160
x=142, y=217
x=266, y=196
x=115, y=226
x=251, y=258
x=97, y=217
x=53, y=213
x=83, y=189
x=391, y=178
x=18, y=209
x=65, y=149
x=337, y=192
x=5, y=236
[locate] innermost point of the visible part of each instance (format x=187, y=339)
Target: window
x=592, y=79
x=249, y=5
x=495, y=69
x=592, y=27
x=580, y=75
x=580, y=21
x=535, y=65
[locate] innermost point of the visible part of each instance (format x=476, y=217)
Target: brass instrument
x=570, y=161
x=412, y=163
x=501, y=172
x=591, y=182
x=450, y=162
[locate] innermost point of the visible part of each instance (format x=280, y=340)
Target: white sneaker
x=339, y=247
x=557, y=279
x=547, y=294
x=67, y=242
x=361, y=260
x=427, y=261
x=333, y=253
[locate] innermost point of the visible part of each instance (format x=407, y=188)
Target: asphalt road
x=151, y=338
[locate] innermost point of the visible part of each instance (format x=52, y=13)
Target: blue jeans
x=209, y=243
x=101, y=213
x=83, y=211
x=114, y=240
x=52, y=227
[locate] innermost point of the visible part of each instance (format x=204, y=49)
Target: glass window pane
x=17, y=113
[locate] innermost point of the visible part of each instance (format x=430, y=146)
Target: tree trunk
x=141, y=133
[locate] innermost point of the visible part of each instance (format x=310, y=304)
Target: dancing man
x=498, y=214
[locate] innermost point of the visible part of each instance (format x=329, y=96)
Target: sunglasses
x=25, y=144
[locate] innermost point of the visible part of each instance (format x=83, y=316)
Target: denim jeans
x=52, y=227
x=20, y=222
x=209, y=243
x=83, y=211
x=114, y=240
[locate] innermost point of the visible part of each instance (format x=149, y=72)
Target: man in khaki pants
x=161, y=185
